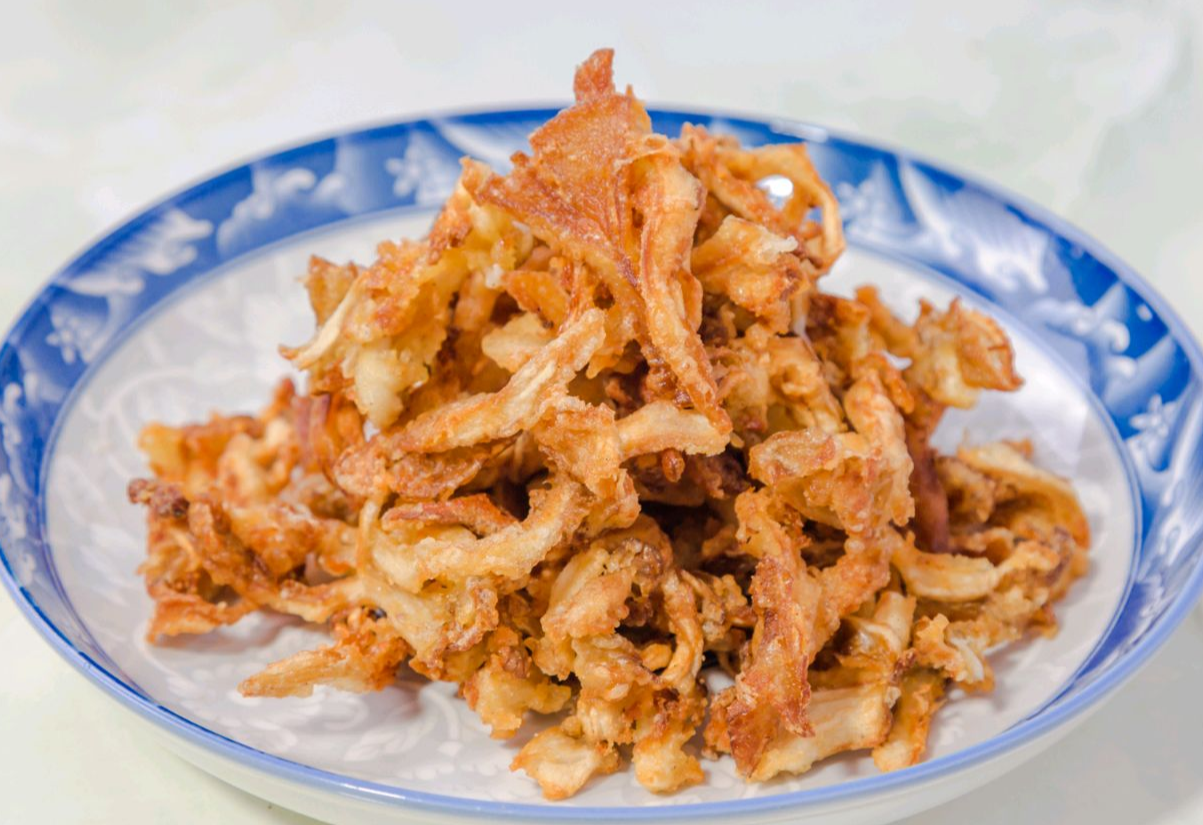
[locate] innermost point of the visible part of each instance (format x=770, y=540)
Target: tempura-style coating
x=602, y=430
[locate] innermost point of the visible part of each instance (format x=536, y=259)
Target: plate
x=180, y=311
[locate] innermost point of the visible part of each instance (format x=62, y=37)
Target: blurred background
x=1094, y=110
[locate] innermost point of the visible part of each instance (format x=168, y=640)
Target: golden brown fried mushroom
x=602, y=428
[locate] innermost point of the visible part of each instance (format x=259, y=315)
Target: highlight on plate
x=601, y=451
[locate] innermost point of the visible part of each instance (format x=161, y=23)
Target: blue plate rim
x=1028, y=731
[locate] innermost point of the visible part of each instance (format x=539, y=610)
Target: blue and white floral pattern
x=1115, y=335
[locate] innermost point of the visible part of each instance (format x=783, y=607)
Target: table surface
x=1092, y=110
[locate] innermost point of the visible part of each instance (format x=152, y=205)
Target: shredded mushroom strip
x=601, y=430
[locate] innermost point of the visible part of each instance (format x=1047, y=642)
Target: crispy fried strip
x=1007, y=466
x=508, y=685
x=536, y=386
x=923, y=693
x=772, y=691
x=366, y=658
x=510, y=553
x=753, y=267
x=661, y=426
x=843, y=719
x=562, y=764
x=669, y=199
x=476, y=512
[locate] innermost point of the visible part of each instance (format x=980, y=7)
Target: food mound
x=599, y=447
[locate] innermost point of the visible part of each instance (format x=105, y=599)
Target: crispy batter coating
x=602, y=429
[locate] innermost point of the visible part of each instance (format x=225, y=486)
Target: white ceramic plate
x=180, y=312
